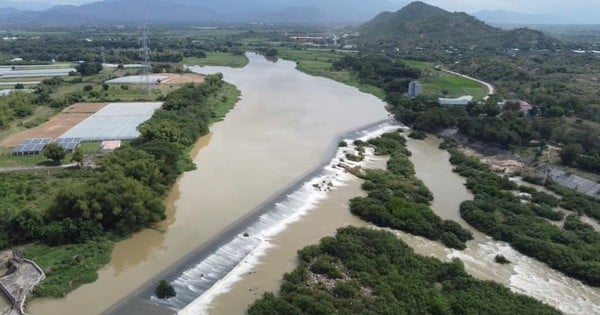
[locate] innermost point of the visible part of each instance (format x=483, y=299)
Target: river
x=278, y=133
x=525, y=275
x=283, y=126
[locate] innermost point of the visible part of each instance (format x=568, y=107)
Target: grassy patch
x=68, y=267
x=90, y=147
x=8, y=160
x=218, y=59
x=40, y=113
x=438, y=83
x=319, y=63
x=224, y=102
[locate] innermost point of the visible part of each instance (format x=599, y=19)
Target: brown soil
x=57, y=125
x=176, y=79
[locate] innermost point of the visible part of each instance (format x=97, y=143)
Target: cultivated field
x=57, y=125
x=176, y=79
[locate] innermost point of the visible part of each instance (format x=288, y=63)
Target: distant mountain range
x=510, y=17
x=199, y=11
x=422, y=25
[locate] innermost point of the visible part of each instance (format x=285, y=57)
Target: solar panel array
x=31, y=146
x=69, y=144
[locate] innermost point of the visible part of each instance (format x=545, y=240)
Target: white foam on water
x=198, y=286
x=530, y=277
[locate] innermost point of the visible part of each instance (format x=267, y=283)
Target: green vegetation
x=54, y=152
x=438, y=83
x=320, y=63
x=8, y=160
x=397, y=199
x=66, y=213
x=573, y=249
x=68, y=267
x=501, y=260
x=218, y=59
x=418, y=135
x=165, y=290
x=361, y=271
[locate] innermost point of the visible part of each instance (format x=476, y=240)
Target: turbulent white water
x=199, y=285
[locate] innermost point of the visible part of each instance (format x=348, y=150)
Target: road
x=30, y=169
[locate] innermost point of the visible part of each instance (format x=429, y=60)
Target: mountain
x=202, y=11
x=519, y=18
x=8, y=12
x=422, y=25
x=23, y=5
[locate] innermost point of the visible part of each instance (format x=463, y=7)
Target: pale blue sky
x=584, y=10
x=530, y=6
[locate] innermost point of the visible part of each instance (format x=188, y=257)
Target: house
x=517, y=105
x=459, y=101
x=109, y=146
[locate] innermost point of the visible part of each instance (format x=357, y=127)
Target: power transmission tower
x=103, y=55
x=146, y=67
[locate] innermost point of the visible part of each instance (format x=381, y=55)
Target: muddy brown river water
x=280, y=131
x=526, y=276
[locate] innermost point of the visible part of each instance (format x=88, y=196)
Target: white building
x=459, y=101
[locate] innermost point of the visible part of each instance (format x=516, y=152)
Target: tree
x=89, y=68
x=570, y=153
x=165, y=290
x=54, y=152
x=77, y=156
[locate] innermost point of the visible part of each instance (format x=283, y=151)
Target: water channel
x=284, y=125
x=279, y=132
x=525, y=275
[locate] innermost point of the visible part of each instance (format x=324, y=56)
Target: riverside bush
x=573, y=249
x=383, y=275
x=397, y=199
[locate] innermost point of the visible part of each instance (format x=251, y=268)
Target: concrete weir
x=23, y=275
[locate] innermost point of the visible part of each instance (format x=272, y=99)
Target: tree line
x=125, y=194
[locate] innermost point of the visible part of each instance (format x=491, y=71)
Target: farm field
x=218, y=59
x=57, y=125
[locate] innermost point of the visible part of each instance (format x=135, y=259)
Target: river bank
x=276, y=134
x=525, y=275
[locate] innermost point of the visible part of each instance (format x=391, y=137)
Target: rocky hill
x=422, y=25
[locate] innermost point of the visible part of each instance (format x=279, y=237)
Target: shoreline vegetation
x=498, y=211
x=68, y=221
x=363, y=271
x=399, y=200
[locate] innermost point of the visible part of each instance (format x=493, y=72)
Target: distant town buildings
x=415, y=88
x=459, y=101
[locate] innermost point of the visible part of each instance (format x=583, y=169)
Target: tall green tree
x=54, y=152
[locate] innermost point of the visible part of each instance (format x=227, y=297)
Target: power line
x=145, y=54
